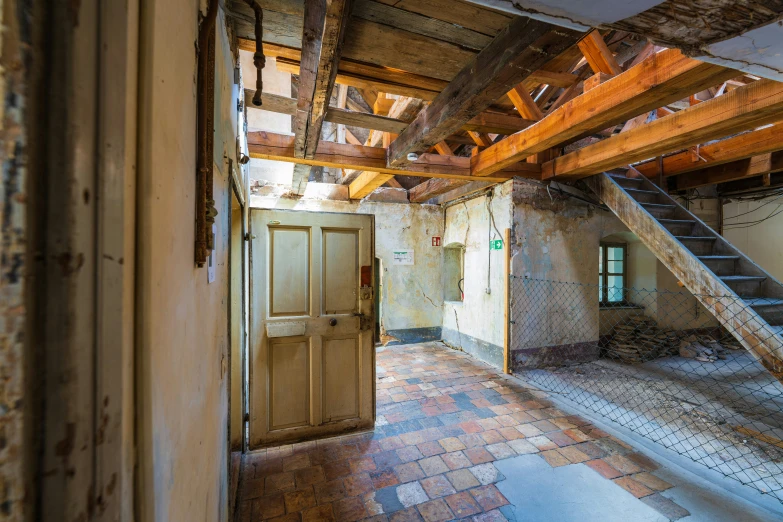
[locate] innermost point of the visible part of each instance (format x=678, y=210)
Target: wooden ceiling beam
x=768, y=139
x=658, y=80
x=524, y=104
x=598, y=55
x=280, y=147
x=742, y=109
x=521, y=48
x=732, y=171
x=322, y=39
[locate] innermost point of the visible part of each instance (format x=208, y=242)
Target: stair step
x=742, y=278
x=718, y=258
x=761, y=302
x=678, y=226
x=642, y=191
x=657, y=205
x=696, y=238
x=676, y=221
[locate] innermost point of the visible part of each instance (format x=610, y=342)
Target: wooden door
x=312, y=357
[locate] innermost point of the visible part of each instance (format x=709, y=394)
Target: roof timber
x=322, y=41
x=732, y=171
x=761, y=141
x=656, y=81
x=742, y=109
x=279, y=147
x=521, y=48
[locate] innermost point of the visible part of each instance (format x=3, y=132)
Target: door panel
x=340, y=271
x=312, y=359
x=341, y=362
x=289, y=271
x=289, y=382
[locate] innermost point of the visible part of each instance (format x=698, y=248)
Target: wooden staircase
x=744, y=298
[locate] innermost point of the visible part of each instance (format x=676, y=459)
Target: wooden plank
x=768, y=139
x=480, y=138
x=661, y=78
x=742, y=109
x=597, y=54
x=594, y=81
x=433, y=187
x=732, y=171
x=422, y=25
x=461, y=192
x=557, y=79
x=521, y=48
x=525, y=105
x=366, y=183
x=474, y=17
x=322, y=41
x=279, y=147
x=379, y=44
x=365, y=120
x=496, y=123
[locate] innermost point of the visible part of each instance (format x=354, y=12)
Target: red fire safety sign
x=435, y=240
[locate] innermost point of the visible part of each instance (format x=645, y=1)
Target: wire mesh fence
x=659, y=363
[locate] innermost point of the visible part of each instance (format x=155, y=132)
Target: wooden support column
x=322, y=38
x=507, y=309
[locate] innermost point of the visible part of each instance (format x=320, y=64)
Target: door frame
x=252, y=288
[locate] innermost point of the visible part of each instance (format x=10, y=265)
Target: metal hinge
x=248, y=236
x=246, y=417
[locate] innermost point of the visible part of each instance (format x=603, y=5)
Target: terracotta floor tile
x=437, y=486
x=329, y=491
x=478, y=455
x=362, y=464
x=463, y=504
x=462, y=479
x=642, y=461
x=391, y=443
x=471, y=427
x=349, y=509
x=435, y=511
x=291, y=517
x=606, y=471
x=573, y=454
x=490, y=516
x=299, y=500
x=488, y=497
x=455, y=460
x=428, y=449
x=309, y=476
x=554, y=458
x=622, y=464
x=492, y=437
x=406, y=515
x=384, y=478
x=409, y=472
x=268, y=507
x=322, y=513
x=542, y=443
x=409, y=454
x=651, y=481
x=253, y=488
x=433, y=466
x=451, y=444
x=633, y=487
x=560, y=438
x=358, y=484
x=280, y=482
x=501, y=450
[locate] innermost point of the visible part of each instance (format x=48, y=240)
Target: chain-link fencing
x=658, y=362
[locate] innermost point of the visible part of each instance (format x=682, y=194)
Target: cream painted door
x=312, y=359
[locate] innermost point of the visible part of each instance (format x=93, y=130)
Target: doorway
x=311, y=353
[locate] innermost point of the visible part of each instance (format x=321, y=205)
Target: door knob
x=332, y=321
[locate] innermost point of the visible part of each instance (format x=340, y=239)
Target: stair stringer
x=747, y=326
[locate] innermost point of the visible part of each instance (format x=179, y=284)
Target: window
x=611, y=274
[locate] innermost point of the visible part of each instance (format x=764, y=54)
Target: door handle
x=332, y=321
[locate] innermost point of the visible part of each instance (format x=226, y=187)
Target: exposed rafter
x=732, y=171
x=519, y=50
x=658, y=80
x=745, y=108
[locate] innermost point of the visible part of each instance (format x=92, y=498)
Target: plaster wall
x=762, y=242
x=476, y=324
x=182, y=328
x=412, y=296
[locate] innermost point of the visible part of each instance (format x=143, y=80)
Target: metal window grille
x=661, y=366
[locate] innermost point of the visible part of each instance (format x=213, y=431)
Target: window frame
x=603, y=273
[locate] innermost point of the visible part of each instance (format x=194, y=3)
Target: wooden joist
x=768, y=139
x=597, y=54
x=279, y=147
x=732, y=171
x=658, y=80
x=521, y=48
x=367, y=182
x=322, y=40
x=525, y=105
x=744, y=108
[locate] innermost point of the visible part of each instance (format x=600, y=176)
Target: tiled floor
x=444, y=421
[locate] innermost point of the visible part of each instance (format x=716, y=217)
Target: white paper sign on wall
x=402, y=257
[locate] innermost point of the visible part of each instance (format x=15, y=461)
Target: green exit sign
x=496, y=244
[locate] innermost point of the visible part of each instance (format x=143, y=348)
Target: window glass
x=611, y=273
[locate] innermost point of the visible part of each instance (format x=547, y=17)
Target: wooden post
x=507, y=295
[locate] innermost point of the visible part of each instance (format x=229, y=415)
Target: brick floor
x=443, y=420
